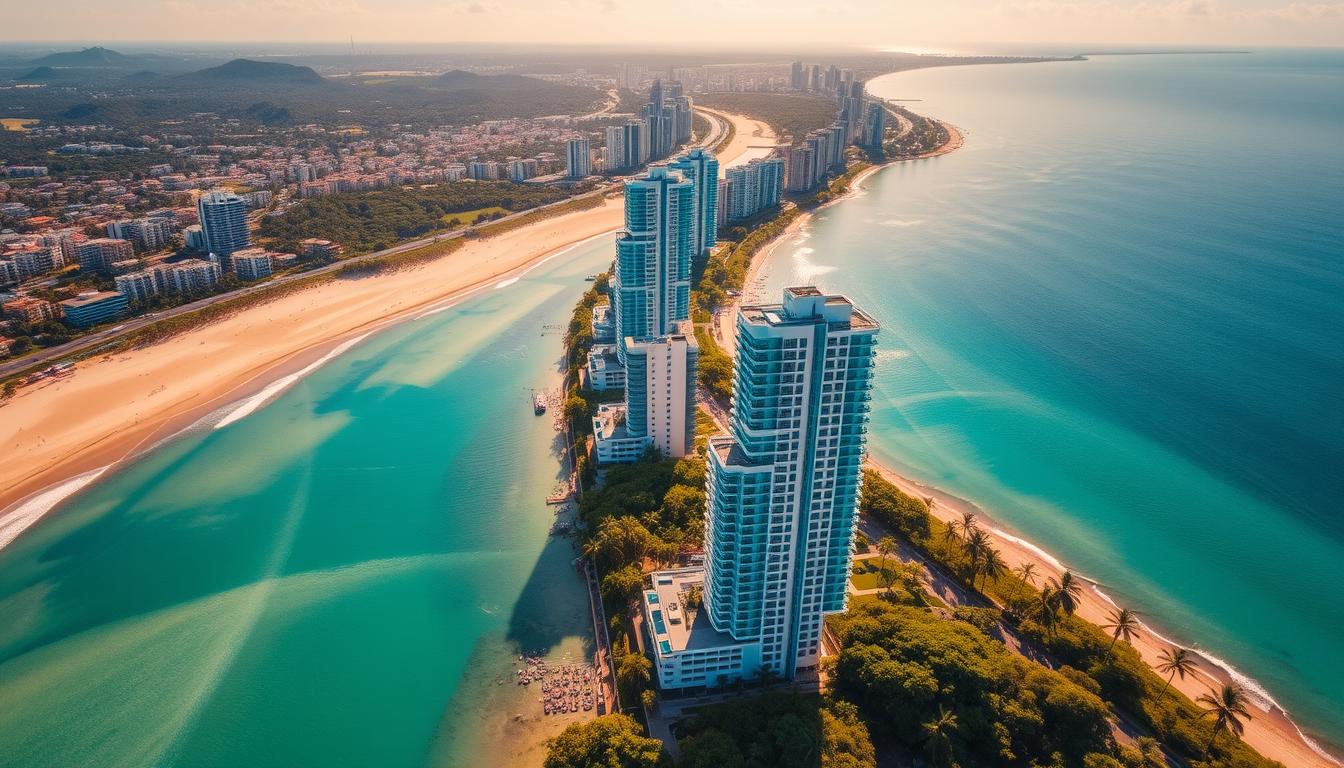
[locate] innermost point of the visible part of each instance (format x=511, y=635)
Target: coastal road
x=90, y=343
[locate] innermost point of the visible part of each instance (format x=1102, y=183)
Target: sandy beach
x=113, y=408
x=1271, y=732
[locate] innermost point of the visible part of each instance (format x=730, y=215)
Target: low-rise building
x=32, y=262
x=604, y=324
x=604, y=370
x=138, y=286
x=31, y=310
x=89, y=309
x=688, y=652
x=251, y=264
x=612, y=441
x=322, y=249
x=100, y=254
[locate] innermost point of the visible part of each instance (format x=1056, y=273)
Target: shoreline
x=96, y=457
x=1271, y=731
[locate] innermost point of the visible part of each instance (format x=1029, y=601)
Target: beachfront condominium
x=651, y=289
x=754, y=187
x=223, y=223
x=627, y=145
x=782, y=498
x=660, y=389
x=699, y=166
x=578, y=158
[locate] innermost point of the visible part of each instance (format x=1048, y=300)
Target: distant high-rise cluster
x=668, y=117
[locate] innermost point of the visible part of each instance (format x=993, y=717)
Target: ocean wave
x=23, y=515
x=248, y=405
x=1258, y=694
x=902, y=222
x=507, y=282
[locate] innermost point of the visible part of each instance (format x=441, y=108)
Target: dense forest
x=364, y=222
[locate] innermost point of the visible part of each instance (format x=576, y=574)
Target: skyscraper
x=652, y=286
x=701, y=168
x=783, y=488
x=223, y=223
x=782, y=497
x=754, y=186
x=578, y=158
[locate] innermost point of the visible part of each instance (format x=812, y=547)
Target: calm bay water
x=1115, y=319
x=341, y=578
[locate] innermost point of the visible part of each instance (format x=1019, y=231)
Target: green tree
x=1027, y=573
x=1226, y=707
x=1175, y=661
x=1123, y=623
x=938, y=734
x=610, y=741
x=1066, y=592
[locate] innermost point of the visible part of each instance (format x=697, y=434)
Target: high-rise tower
x=223, y=223
x=701, y=168
x=652, y=286
x=783, y=488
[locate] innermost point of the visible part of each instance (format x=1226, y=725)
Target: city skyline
x=887, y=26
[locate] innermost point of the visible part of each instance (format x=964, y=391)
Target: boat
x=538, y=403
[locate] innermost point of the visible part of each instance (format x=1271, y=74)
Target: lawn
x=865, y=574
x=469, y=217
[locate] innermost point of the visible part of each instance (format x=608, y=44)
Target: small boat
x=538, y=403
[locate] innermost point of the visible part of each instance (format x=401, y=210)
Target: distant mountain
x=258, y=72
x=96, y=56
x=461, y=80
x=39, y=75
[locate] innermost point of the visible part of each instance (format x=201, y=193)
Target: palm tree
x=1027, y=573
x=1175, y=661
x=886, y=547
x=1067, y=592
x=968, y=524
x=1046, y=611
x=1124, y=623
x=977, y=542
x=938, y=737
x=991, y=564
x=1226, y=708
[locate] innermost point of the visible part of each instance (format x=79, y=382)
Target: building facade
x=754, y=187
x=89, y=309
x=651, y=289
x=223, y=223
x=578, y=158
x=660, y=389
x=783, y=486
x=699, y=166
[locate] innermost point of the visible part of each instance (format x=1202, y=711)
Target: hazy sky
x=897, y=23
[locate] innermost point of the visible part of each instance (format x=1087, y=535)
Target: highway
x=91, y=342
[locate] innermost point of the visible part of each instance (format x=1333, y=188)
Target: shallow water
x=1115, y=319
x=340, y=577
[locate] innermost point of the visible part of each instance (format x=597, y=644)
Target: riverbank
x=1271, y=732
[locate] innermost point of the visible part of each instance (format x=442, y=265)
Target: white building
x=138, y=286
x=251, y=263
x=578, y=158
x=604, y=370
x=782, y=490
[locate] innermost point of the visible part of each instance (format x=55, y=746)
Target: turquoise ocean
x=341, y=578
x=1115, y=319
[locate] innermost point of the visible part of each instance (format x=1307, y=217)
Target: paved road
x=97, y=339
